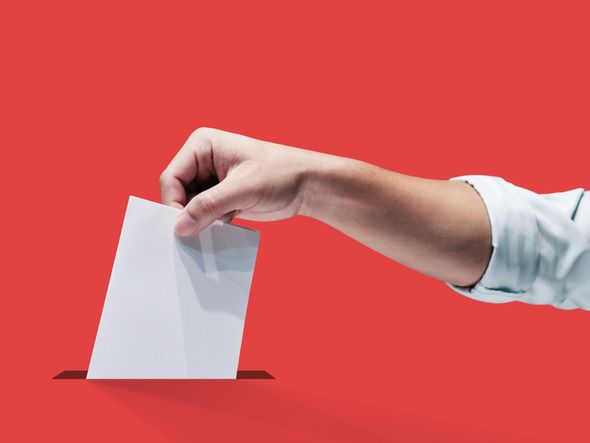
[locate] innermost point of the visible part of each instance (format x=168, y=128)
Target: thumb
x=210, y=205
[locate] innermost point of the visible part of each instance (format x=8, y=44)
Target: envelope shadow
x=243, y=374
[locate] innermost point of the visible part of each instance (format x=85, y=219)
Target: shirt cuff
x=514, y=262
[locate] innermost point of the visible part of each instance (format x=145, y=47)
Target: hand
x=220, y=175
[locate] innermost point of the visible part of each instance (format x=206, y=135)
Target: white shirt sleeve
x=541, y=245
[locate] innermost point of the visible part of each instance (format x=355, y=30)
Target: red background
x=96, y=98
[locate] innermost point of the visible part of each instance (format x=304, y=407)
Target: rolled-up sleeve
x=541, y=254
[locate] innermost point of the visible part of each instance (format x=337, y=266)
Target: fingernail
x=185, y=225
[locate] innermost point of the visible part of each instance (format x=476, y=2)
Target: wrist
x=327, y=180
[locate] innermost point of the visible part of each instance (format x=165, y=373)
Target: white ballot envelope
x=175, y=307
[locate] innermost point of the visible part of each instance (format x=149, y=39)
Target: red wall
x=96, y=100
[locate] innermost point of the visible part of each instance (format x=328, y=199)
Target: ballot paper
x=175, y=307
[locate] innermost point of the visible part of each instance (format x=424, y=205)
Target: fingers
x=172, y=191
x=184, y=168
x=214, y=203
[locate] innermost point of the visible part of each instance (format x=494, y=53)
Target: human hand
x=220, y=175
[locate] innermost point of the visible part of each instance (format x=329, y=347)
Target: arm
x=437, y=227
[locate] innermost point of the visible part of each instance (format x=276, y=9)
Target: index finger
x=179, y=172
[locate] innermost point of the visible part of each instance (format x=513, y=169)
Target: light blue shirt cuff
x=541, y=245
x=514, y=262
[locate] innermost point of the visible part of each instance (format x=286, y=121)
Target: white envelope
x=175, y=307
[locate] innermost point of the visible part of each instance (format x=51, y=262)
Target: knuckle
x=201, y=132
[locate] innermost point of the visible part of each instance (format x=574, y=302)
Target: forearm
x=436, y=227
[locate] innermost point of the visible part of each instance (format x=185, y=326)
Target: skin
x=437, y=227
